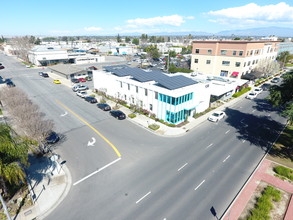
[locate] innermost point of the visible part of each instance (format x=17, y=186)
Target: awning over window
x=235, y=74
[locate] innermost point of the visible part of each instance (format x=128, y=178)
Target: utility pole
x=4, y=207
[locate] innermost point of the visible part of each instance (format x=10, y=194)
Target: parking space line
x=209, y=145
x=143, y=197
x=243, y=141
x=199, y=184
x=227, y=132
x=226, y=158
x=95, y=130
x=97, y=171
x=182, y=167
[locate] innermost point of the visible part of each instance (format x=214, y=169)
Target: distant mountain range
x=259, y=32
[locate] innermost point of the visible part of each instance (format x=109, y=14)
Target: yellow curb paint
x=95, y=130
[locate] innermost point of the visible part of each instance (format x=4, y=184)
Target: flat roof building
x=231, y=58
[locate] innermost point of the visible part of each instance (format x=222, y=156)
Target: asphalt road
x=157, y=177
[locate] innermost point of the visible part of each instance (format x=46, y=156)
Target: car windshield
x=216, y=114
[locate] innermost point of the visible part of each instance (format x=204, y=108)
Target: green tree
x=119, y=38
x=172, y=53
x=282, y=96
x=135, y=41
x=152, y=51
x=38, y=41
x=13, y=156
x=144, y=37
x=237, y=38
x=127, y=39
x=283, y=57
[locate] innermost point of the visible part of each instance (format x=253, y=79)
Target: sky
x=125, y=17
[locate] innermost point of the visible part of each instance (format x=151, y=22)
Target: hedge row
x=241, y=92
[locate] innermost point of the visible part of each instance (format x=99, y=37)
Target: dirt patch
x=279, y=208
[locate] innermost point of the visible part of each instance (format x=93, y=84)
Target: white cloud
x=173, y=20
x=92, y=28
x=255, y=14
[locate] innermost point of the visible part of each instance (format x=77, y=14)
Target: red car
x=82, y=80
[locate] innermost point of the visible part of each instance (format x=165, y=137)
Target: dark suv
x=104, y=106
x=118, y=114
x=90, y=99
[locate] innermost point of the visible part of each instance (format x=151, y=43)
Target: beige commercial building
x=231, y=58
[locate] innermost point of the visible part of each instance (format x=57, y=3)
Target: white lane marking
x=199, y=184
x=242, y=120
x=227, y=132
x=226, y=159
x=253, y=110
x=91, y=143
x=62, y=115
x=269, y=115
x=182, y=167
x=143, y=197
x=209, y=145
x=243, y=141
x=97, y=171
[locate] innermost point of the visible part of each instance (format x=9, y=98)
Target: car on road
x=82, y=80
x=40, y=73
x=2, y=67
x=251, y=95
x=104, y=106
x=275, y=80
x=52, y=138
x=118, y=114
x=216, y=116
x=79, y=87
x=265, y=86
x=74, y=80
x=81, y=94
x=258, y=90
x=9, y=83
x=90, y=99
x=57, y=81
x=45, y=75
x=88, y=78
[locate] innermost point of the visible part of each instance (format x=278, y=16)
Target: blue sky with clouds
x=102, y=17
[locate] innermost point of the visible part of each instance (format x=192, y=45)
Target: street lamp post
x=4, y=207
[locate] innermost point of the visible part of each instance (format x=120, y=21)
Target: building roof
x=66, y=69
x=235, y=41
x=168, y=82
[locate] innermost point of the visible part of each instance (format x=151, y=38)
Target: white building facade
x=170, y=98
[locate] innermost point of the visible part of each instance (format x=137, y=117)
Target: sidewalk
x=49, y=182
x=240, y=202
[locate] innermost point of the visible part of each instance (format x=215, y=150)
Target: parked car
x=118, y=114
x=45, y=75
x=82, y=80
x=90, y=99
x=52, y=138
x=57, y=81
x=1, y=67
x=275, y=80
x=104, y=106
x=9, y=83
x=81, y=94
x=88, y=78
x=251, y=95
x=257, y=90
x=265, y=86
x=79, y=88
x=74, y=80
x=40, y=73
x=216, y=116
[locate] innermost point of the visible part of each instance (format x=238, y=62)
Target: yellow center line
x=95, y=130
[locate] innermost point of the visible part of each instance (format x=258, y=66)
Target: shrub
x=102, y=100
x=241, y=92
x=284, y=171
x=132, y=115
x=154, y=127
x=0, y=111
x=93, y=95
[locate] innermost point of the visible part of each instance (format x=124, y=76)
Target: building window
x=256, y=61
x=253, y=62
x=195, y=60
x=248, y=63
x=209, y=52
x=151, y=107
x=225, y=63
x=244, y=64
x=145, y=92
x=224, y=73
x=121, y=85
x=223, y=52
x=132, y=98
x=196, y=50
x=247, y=53
x=128, y=86
x=240, y=53
x=136, y=88
x=208, y=61
x=125, y=97
x=156, y=95
x=234, y=53
x=237, y=64
x=251, y=52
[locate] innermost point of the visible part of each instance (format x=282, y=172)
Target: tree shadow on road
x=263, y=105
x=260, y=131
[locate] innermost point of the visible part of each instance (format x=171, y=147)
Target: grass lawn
x=282, y=151
x=289, y=65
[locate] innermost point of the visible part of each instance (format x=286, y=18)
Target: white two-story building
x=170, y=98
